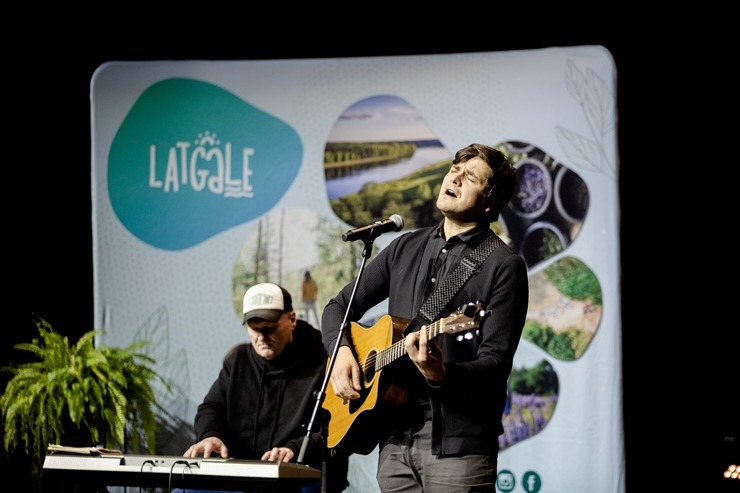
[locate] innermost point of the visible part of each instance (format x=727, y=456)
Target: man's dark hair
x=502, y=184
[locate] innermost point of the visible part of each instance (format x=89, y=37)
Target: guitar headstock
x=467, y=317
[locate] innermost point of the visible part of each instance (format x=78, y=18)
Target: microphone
x=372, y=231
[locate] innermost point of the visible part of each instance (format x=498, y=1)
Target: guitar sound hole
x=368, y=370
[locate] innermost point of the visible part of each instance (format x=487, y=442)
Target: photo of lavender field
x=533, y=396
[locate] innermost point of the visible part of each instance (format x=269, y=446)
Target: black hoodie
x=256, y=404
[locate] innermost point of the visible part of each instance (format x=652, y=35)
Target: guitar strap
x=441, y=296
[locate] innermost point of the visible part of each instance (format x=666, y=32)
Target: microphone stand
x=366, y=252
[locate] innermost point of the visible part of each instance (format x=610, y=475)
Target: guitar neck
x=398, y=350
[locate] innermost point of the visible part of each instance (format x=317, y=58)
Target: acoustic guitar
x=352, y=423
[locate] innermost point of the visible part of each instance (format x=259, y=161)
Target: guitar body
x=352, y=425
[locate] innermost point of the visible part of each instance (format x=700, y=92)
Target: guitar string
x=397, y=349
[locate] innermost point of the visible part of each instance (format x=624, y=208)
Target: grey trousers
x=407, y=465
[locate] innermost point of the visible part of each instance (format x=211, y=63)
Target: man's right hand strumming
x=345, y=375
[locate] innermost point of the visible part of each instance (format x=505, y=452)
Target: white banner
x=209, y=176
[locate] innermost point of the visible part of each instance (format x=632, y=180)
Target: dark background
x=679, y=356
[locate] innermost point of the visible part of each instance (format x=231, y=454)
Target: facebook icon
x=531, y=482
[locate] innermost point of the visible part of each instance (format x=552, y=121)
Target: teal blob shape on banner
x=191, y=160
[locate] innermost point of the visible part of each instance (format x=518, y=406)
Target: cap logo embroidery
x=260, y=299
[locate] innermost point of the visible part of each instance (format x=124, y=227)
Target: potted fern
x=78, y=393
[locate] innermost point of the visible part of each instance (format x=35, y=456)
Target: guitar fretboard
x=396, y=350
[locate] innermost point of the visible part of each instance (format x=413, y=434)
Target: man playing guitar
x=443, y=437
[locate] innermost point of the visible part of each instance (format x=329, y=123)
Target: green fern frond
x=86, y=342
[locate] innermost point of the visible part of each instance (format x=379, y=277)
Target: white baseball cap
x=267, y=301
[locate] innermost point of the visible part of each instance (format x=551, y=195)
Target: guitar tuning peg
x=470, y=309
